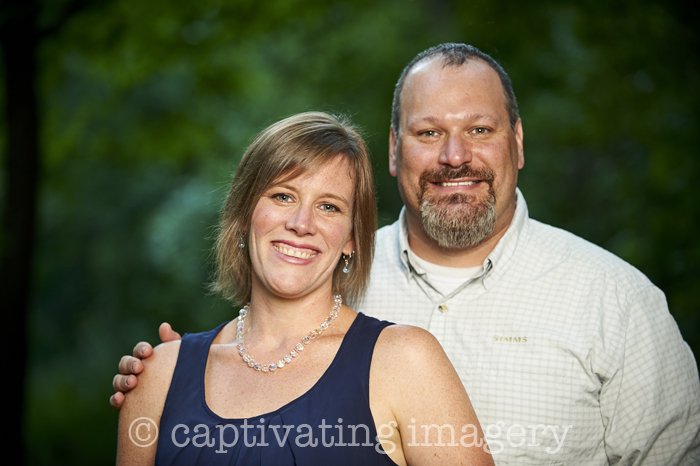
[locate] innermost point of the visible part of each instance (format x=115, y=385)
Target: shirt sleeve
x=650, y=404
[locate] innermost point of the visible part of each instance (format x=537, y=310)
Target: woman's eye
x=329, y=208
x=282, y=197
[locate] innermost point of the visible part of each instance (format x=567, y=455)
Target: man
x=568, y=353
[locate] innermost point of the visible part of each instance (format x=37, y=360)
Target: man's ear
x=392, y=152
x=519, y=141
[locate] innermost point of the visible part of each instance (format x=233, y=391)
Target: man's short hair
x=455, y=55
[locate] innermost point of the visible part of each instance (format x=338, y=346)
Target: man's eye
x=480, y=130
x=429, y=133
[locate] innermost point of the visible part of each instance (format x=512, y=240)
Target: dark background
x=143, y=109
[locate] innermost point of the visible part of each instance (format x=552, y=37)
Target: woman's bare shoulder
x=154, y=381
x=407, y=342
x=408, y=356
x=164, y=356
x=159, y=367
x=412, y=378
x=145, y=403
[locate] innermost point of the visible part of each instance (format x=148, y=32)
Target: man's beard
x=457, y=221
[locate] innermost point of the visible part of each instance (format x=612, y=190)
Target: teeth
x=293, y=252
x=460, y=183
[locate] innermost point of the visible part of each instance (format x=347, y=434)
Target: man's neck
x=428, y=249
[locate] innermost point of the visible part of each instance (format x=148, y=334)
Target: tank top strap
x=356, y=352
x=339, y=404
x=188, y=377
x=361, y=340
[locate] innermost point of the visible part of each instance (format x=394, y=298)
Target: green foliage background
x=148, y=106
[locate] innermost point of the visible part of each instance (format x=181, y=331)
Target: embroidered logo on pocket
x=503, y=339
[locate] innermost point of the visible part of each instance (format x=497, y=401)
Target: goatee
x=457, y=221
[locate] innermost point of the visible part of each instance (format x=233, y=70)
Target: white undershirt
x=444, y=279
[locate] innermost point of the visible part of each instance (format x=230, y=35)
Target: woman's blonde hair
x=281, y=152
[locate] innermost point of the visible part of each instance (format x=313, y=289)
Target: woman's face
x=299, y=228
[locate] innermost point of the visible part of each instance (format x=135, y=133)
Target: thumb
x=167, y=333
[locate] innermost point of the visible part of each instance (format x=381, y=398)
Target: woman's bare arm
x=139, y=419
x=413, y=384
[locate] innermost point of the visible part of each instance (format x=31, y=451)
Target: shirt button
x=443, y=308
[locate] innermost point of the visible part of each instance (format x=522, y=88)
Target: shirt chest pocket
x=523, y=388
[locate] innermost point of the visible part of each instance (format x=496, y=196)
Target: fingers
x=130, y=365
x=167, y=333
x=117, y=400
x=142, y=350
x=124, y=383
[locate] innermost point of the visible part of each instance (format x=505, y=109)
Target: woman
x=298, y=377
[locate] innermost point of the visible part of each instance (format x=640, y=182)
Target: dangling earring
x=346, y=269
x=241, y=242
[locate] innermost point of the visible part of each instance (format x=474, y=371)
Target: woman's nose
x=301, y=221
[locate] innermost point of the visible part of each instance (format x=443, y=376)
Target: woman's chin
x=291, y=289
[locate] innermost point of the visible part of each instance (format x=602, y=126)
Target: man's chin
x=458, y=225
x=442, y=199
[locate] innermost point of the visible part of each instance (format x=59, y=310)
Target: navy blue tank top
x=330, y=424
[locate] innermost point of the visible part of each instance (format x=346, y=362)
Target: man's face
x=455, y=154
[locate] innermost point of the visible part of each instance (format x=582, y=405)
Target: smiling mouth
x=457, y=183
x=294, y=252
x=450, y=177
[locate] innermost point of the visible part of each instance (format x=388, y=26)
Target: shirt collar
x=403, y=243
x=496, y=263
x=499, y=260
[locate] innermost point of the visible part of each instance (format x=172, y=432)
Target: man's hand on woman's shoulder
x=131, y=366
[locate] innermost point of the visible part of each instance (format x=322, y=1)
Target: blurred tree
x=23, y=26
x=18, y=38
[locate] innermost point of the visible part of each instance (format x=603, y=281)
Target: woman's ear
x=349, y=246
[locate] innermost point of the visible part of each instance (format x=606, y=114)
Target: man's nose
x=301, y=221
x=456, y=151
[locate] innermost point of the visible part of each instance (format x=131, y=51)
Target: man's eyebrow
x=471, y=117
x=427, y=119
x=481, y=116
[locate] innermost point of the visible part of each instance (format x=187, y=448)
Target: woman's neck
x=274, y=321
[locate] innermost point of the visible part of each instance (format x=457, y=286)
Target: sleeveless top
x=329, y=424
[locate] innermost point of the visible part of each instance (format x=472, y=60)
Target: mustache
x=451, y=173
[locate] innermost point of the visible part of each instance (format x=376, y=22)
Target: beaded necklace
x=248, y=359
